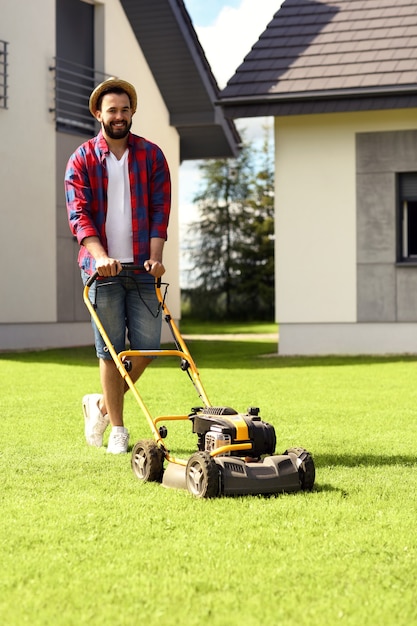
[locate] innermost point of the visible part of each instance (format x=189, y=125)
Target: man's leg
x=119, y=306
x=109, y=300
x=114, y=387
x=144, y=332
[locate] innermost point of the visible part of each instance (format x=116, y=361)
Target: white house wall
x=315, y=229
x=36, y=248
x=27, y=166
x=316, y=234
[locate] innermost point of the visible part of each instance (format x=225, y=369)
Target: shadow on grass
x=85, y=356
x=222, y=354
x=363, y=460
x=253, y=354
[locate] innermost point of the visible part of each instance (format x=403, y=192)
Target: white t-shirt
x=119, y=209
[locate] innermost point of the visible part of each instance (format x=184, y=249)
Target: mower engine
x=222, y=426
x=247, y=464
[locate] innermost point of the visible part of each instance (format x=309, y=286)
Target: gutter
x=272, y=98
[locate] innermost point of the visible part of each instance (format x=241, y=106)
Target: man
x=118, y=195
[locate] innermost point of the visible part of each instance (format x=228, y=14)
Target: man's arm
x=105, y=265
x=154, y=264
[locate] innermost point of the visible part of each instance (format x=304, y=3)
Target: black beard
x=119, y=133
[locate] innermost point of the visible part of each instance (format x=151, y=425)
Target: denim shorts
x=128, y=309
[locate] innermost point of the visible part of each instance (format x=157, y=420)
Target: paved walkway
x=234, y=337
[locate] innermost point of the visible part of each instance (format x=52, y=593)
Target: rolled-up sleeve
x=160, y=197
x=79, y=199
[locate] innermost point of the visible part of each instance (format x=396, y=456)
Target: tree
x=231, y=246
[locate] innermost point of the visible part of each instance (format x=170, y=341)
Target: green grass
x=83, y=542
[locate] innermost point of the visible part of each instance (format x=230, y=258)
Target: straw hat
x=108, y=85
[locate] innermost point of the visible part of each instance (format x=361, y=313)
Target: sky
x=227, y=30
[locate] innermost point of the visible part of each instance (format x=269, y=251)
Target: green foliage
x=83, y=542
x=232, y=249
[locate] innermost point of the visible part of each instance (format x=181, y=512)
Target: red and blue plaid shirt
x=86, y=195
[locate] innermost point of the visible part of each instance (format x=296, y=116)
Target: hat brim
x=108, y=85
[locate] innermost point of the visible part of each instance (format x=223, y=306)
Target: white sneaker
x=95, y=422
x=118, y=440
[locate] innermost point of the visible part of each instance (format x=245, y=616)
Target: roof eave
x=398, y=96
x=188, y=87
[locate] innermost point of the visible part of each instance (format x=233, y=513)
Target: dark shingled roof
x=329, y=55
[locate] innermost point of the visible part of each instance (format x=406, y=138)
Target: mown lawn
x=83, y=542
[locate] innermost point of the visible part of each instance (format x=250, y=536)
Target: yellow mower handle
x=119, y=359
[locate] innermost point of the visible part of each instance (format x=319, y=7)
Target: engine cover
x=210, y=423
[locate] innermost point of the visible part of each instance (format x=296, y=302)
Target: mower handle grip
x=125, y=266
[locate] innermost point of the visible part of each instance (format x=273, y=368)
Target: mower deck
x=210, y=476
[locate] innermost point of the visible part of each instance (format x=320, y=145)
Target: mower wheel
x=202, y=475
x=147, y=461
x=306, y=468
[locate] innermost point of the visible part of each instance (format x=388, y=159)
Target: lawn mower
x=235, y=451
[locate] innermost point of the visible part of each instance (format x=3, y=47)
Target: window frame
x=3, y=74
x=406, y=195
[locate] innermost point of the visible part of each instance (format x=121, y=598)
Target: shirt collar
x=103, y=146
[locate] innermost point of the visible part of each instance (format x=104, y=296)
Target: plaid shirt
x=86, y=195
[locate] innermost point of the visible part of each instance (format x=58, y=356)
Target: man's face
x=115, y=115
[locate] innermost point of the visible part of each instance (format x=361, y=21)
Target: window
x=73, y=86
x=75, y=74
x=3, y=74
x=407, y=214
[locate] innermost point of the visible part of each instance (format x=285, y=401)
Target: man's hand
x=106, y=266
x=154, y=264
x=155, y=268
